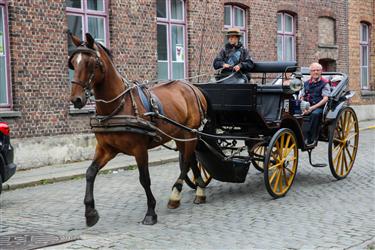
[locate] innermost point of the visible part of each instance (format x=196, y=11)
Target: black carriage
x=261, y=124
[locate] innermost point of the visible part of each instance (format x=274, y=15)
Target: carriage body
x=248, y=123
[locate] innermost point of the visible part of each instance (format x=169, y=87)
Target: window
x=5, y=88
x=285, y=37
x=327, y=31
x=171, y=26
x=87, y=16
x=364, y=57
x=235, y=17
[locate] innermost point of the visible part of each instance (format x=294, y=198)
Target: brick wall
x=39, y=49
x=364, y=12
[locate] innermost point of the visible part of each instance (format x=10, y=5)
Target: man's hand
x=308, y=111
x=237, y=68
x=225, y=66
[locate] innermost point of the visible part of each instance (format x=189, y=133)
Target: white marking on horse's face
x=79, y=59
x=97, y=53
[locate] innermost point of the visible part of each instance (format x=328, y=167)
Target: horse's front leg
x=100, y=159
x=144, y=177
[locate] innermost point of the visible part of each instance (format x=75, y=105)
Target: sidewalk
x=63, y=172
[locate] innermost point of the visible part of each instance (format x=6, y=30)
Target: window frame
x=9, y=104
x=85, y=13
x=364, y=44
x=243, y=29
x=169, y=22
x=285, y=34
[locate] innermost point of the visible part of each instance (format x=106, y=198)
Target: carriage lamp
x=296, y=82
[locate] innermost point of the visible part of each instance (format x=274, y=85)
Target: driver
x=234, y=57
x=316, y=92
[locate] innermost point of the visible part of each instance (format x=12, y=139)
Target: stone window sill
x=367, y=93
x=83, y=111
x=10, y=114
x=328, y=46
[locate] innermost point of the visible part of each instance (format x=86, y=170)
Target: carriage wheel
x=257, y=152
x=280, y=163
x=190, y=179
x=343, y=143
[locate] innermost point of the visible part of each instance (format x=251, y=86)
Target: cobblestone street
x=318, y=211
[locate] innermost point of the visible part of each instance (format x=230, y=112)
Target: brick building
x=159, y=39
x=362, y=50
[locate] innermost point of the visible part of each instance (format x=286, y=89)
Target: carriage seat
x=268, y=101
x=274, y=67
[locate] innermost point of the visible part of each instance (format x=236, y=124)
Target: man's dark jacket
x=226, y=53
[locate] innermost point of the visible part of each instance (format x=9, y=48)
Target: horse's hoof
x=150, y=220
x=199, y=199
x=173, y=204
x=92, y=218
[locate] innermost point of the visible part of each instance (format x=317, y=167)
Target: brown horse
x=181, y=102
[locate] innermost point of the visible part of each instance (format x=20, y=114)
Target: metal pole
x=202, y=34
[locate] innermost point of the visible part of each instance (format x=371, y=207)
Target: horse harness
x=129, y=123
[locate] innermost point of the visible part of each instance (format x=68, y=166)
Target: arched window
x=364, y=54
x=5, y=87
x=235, y=17
x=286, y=37
x=171, y=38
x=87, y=16
x=327, y=31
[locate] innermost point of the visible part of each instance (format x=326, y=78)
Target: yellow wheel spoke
x=338, y=153
x=289, y=150
x=290, y=171
x=273, y=176
x=274, y=166
x=351, y=136
x=349, y=128
x=287, y=145
x=350, y=155
x=338, y=157
x=285, y=179
x=346, y=163
x=281, y=182
x=342, y=164
x=277, y=181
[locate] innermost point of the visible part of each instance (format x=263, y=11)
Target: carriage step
x=315, y=165
x=319, y=165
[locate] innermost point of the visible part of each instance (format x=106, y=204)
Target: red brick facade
x=38, y=46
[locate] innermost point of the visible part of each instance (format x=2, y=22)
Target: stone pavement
x=318, y=212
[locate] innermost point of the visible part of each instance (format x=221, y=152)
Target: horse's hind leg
x=187, y=157
x=100, y=159
x=144, y=177
x=200, y=196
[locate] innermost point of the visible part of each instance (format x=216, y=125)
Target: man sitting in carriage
x=316, y=92
x=234, y=58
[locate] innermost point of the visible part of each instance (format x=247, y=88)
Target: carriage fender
x=332, y=114
x=291, y=123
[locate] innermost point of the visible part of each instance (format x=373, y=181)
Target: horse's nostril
x=77, y=102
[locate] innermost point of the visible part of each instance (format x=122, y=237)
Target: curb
x=9, y=187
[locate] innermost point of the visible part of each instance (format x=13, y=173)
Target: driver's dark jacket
x=234, y=55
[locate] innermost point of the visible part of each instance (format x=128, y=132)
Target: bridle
x=86, y=85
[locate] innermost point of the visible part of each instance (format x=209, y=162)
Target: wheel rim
x=281, y=163
x=344, y=143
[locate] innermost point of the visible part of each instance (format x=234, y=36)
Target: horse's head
x=89, y=69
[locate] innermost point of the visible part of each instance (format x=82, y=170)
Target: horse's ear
x=90, y=41
x=75, y=39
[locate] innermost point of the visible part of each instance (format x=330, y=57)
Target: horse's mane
x=107, y=51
